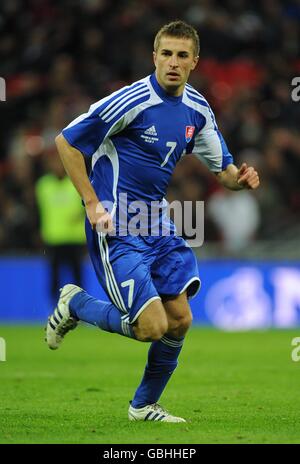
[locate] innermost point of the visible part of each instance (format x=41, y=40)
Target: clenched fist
x=248, y=177
x=99, y=218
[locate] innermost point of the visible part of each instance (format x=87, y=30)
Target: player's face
x=174, y=60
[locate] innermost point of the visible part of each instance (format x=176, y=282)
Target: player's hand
x=247, y=177
x=105, y=223
x=99, y=218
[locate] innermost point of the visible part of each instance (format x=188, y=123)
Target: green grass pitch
x=232, y=387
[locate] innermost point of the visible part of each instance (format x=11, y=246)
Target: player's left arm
x=218, y=159
x=234, y=178
x=210, y=147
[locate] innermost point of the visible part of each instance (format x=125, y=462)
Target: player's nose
x=173, y=61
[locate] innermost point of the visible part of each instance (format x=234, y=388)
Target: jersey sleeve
x=105, y=119
x=209, y=145
x=87, y=132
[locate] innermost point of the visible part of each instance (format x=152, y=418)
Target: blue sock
x=104, y=315
x=162, y=361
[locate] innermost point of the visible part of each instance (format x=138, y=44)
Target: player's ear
x=154, y=58
x=195, y=62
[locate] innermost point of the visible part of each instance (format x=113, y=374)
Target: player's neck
x=172, y=91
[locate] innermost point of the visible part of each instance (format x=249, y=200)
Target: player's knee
x=152, y=332
x=159, y=329
x=185, y=323
x=152, y=323
x=179, y=326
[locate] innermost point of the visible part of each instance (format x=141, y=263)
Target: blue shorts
x=137, y=270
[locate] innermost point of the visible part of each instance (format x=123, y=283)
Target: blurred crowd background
x=58, y=57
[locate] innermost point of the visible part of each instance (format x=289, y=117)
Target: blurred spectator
x=18, y=224
x=61, y=222
x=237, y=216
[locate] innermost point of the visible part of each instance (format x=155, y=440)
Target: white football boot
x=60, y=321
x=152, y=412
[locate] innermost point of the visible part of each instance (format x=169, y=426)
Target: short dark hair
x=181, y=30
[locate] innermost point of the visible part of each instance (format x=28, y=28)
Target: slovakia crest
x=189, y=132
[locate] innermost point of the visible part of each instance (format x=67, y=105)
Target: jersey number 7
x=172, y=146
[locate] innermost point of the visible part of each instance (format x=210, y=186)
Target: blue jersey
x=135, y=137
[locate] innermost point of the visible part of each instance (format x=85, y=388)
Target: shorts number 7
x=129, y=283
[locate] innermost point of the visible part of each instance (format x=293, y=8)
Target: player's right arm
x=84, y=136
x=74, y=165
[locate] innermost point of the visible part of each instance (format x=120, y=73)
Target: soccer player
x=134, y=138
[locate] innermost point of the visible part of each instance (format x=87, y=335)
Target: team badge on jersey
x=189, y=132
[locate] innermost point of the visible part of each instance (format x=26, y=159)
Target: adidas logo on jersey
x=150, y=135
x=151, y=131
